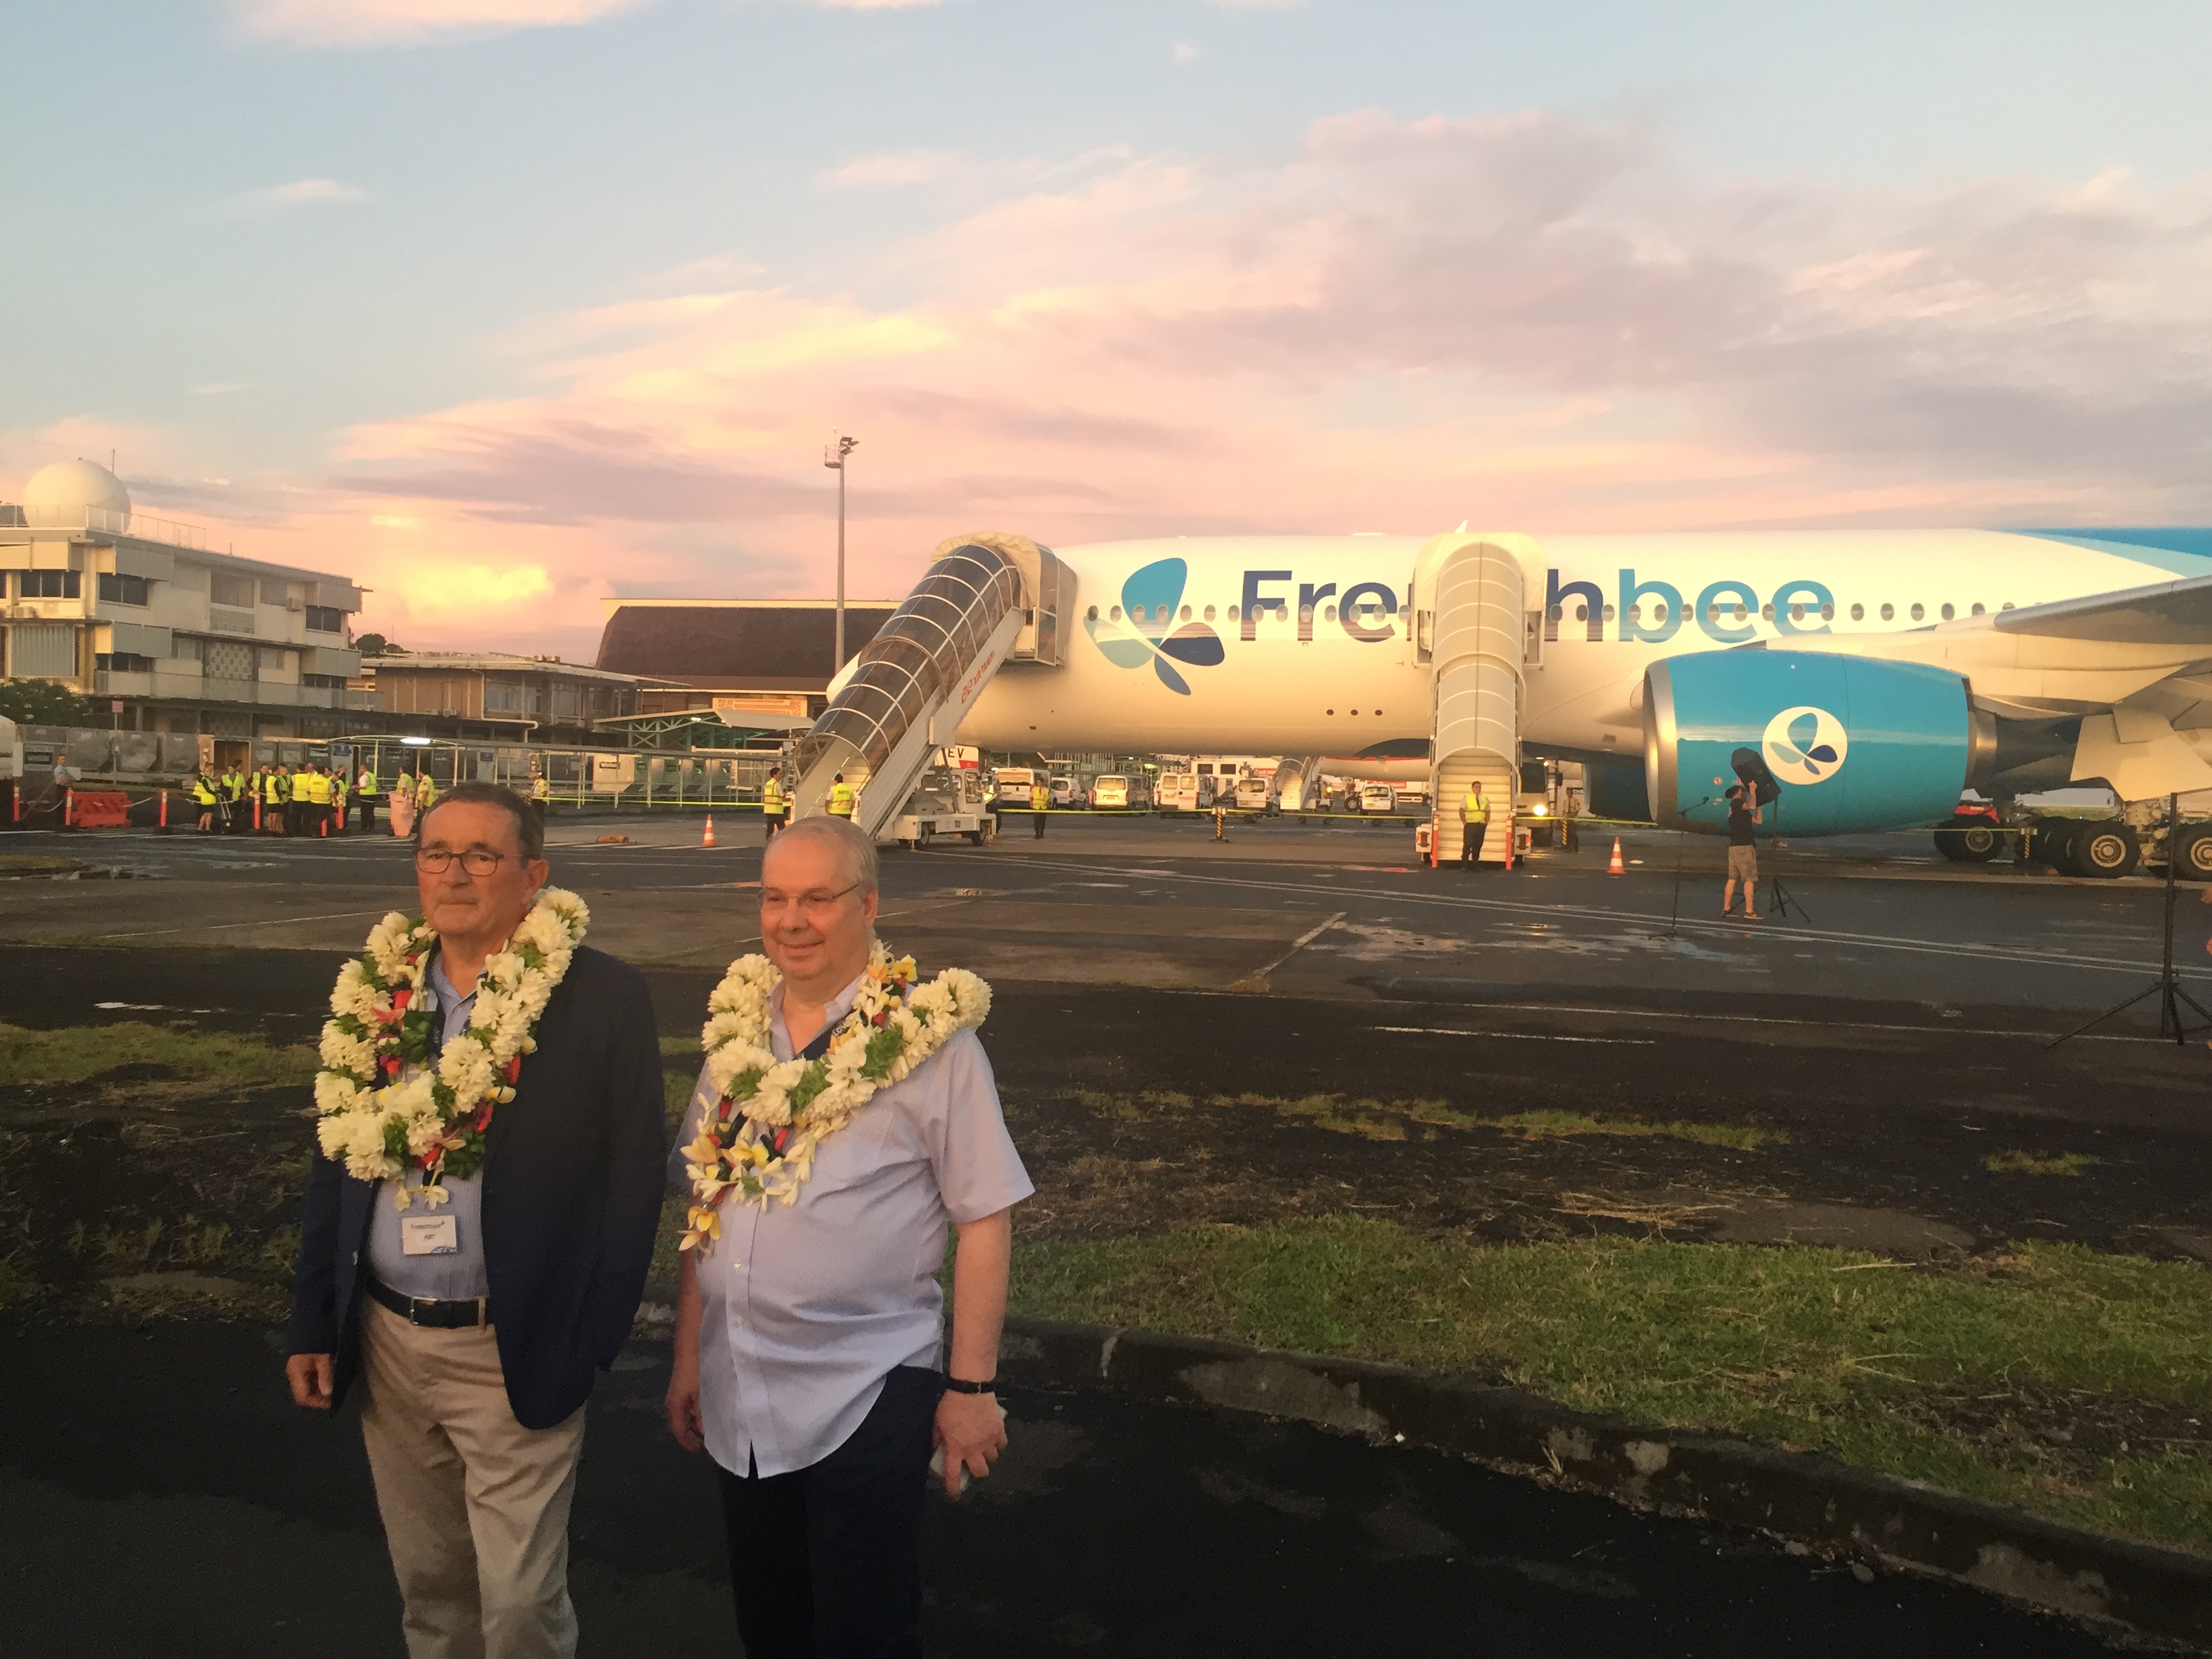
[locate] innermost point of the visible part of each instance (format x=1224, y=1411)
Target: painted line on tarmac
x=265, y=921
x=1299, y=944
x=1513, y=1036
x=1968, y=950
x=1751, y=1020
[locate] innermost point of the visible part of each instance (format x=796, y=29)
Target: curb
x=1903, y=1524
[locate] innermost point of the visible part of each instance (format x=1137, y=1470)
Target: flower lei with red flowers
x=759, y=1136
x=385, y=1108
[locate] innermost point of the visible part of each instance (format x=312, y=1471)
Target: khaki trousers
x=475, y=1506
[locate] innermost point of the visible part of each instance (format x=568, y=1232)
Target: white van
x=1109, y=791
x=1377, y=797
x=1178, y=791
x=1254, y=794
x=1014, y=783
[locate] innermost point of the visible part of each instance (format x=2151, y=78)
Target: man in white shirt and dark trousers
x=809, y=1336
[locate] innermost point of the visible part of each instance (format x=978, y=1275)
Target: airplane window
x=1948, y=613
x=1582, y=613
x=1608, y=613
x=1740, y=613
x=1979, y=608
x=1767, y=611
x=1557, y=612
x=1918, y=612
x=2007, y=605
x=1712, y=613
x=1116, y=613
x=1328, y=613
x=1305, y=613
x=1093, y=615
x=1209, y=613
x=1186, y=613
x=1331, y=711
x=1858, y=613
x=1232, y=613
x=1827, y=613
x=1797, y=612
x=1888, y=611
x=1636, y=613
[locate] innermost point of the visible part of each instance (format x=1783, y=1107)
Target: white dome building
x=62, y=493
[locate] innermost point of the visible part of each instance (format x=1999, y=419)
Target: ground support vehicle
x=1377, y=797
x=1176, y=792
x=944, y=804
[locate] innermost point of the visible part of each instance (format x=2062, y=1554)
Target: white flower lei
x=383, y=1109
x=758, y=1137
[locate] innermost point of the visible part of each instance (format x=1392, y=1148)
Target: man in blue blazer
x=476, y=1325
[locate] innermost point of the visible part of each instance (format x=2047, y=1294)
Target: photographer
x=1744, y=812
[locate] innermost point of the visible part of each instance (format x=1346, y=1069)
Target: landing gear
x=2192, y=852
x=2107, y=851
x=2054, y=844
x=1970, y=839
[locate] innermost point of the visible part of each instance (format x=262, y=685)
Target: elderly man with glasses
x=810, y=1338
x=478, y=1320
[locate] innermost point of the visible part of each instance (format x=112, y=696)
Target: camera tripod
x=2167, y=987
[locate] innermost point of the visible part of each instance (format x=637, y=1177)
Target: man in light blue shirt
x=807, y=1340
x=451, y=1269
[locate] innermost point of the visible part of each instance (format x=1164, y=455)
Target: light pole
x=833, y=457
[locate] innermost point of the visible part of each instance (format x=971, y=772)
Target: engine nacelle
x=1839, y=744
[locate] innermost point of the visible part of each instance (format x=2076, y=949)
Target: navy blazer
x=573, y=1181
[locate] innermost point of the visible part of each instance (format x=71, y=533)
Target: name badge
x=429, y=1235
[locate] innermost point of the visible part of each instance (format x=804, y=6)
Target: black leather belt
x=431, y=1312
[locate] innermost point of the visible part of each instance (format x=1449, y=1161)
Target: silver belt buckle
x=413, y=1318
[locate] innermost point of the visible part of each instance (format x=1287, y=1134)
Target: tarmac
x=1893, y=1019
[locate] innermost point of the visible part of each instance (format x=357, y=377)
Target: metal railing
x=144, y=526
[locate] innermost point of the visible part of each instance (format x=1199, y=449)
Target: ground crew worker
x=339, y=796
x=365, y=798
x=1040, y=799
x=772, y=803
x=203, y=792
x=541, y=791
x=425, y=792
x=277, y=800
x=233, y=788
x=841, y=797
x=1474, y=822
x=318, y=800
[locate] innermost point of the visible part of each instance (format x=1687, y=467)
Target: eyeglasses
x=436, y=861
x=816, y=902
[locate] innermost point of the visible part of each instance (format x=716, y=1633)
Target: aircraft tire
x=1946, y=843
x=2107, y=851
x=1978, y=840
x=2053, y=844
x=2192, y=847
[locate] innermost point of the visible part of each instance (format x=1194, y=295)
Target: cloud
x=392, y=22
x=1530, y=321
x=1182, y=53
x=301, y=193
x=912, y=167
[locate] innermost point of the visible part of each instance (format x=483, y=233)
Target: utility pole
x=833, y=457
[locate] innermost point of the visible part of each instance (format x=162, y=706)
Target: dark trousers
x=1038, y=817
x=1470, y=836
x=364, y=810
x=825, y=1562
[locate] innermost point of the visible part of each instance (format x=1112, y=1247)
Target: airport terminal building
x=121, y=607
x=764, y=656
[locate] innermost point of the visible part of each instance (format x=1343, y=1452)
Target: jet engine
x=1836, y=744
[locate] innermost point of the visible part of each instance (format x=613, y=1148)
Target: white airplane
x=1864, y=680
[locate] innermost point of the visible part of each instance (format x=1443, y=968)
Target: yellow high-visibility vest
x=771, y=796
x=280, y=788
x=1474, y=807
x=202, y=790
x=841, y=799
x=319, y=789
x=1040, y=796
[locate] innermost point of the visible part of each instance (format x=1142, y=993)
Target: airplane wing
x=2166, y=613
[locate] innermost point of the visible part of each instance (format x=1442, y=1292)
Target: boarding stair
x=1470, y=621
x=987, y=600
x=1297, y=783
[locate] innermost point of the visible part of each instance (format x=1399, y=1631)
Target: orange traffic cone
x=1615, y=868
x=707, y=840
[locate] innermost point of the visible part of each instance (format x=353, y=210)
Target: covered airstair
x=987, y=600
x=1472, y=623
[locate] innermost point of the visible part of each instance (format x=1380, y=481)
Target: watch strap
x=954, y=1385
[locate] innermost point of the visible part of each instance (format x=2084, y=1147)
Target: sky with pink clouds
x=506, y=306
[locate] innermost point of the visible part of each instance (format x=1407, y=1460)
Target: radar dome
x=61, y=492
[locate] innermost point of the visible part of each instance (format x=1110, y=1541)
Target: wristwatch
x=954, y=1385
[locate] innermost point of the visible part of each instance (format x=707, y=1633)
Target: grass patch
x=1784, y=1344
x=2017, y=1163
x=71, y=1053
x=32, y=864
x=678, y=1045
x=1378, y=1120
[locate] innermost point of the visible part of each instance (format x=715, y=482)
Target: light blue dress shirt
x=461, y=1276
x=806, y=1308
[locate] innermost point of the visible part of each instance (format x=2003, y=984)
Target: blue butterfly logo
x=1147, y=631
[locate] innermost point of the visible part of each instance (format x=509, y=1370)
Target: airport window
x=235, y=591
x=326, y=681
x=122, y=590
x=1858, y=613
x=1948, y=613
x=122, y=662
x=48, y=585
x=1918, y=612
x=1888, y=612
x=325, y=619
